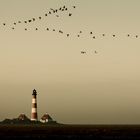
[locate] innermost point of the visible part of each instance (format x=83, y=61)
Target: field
x=70, y=131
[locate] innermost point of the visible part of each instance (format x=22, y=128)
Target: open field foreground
x=70, y=131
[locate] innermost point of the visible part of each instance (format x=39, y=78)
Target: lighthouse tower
x=34, y=106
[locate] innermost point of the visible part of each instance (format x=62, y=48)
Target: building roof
x=46, y=117
x=23, y=117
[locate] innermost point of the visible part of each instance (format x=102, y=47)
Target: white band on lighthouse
x=34, y=100
x=33, y=119
x=34, y=110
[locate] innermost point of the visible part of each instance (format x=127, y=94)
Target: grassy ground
x=71, y=131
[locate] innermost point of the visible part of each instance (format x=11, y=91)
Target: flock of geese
x=56, y=12
x=50, y=12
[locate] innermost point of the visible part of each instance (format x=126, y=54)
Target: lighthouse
x=34, y=106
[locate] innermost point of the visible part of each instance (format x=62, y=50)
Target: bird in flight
x=29, y=20
x=52, y=9
x=60, y=31
x=91, y=33
x=68, y=35
x=95, y=52
x=83, y=52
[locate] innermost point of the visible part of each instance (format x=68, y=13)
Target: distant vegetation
x=23, y=119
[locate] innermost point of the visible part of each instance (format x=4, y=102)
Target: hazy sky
x=72, y=88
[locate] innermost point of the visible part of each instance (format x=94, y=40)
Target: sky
x=73, y=88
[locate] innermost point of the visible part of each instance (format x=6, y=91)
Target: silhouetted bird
x=52, y=10
x=83, y=52
x=19, y=21
x=25, y=29
x=80, y=32
x=60, y=31
x=114, y=35
x=70, y=14
x=13, y=28
x=56, y=10
x=95, y=52
x=47, y=29
x=94, y=37
x=91, y=33
x=33, y=19
x=53, y=29
x=36, y=29
x=78, y=35
x=14, y=23
x=46, y=15
x=68, y=35
x=49, y=12
x=136, y=36
x=25, y=21
x=74, y=6
x=4, y=24
x=66, y=9
x=30, y=20
x=103, y=34
x=128, y=35
x=60, y=8
x=39, y=17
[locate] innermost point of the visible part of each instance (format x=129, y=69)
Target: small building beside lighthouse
x=46, y=118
